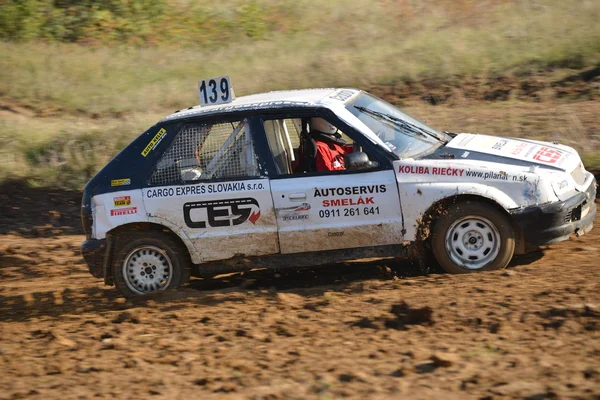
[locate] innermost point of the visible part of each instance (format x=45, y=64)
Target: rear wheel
x=147, y=262
x=472, y=237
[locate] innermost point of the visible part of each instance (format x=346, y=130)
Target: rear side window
x=203, y=152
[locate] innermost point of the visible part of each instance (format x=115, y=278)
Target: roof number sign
x=215, y=91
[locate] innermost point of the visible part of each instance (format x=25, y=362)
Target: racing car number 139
x=215, y=91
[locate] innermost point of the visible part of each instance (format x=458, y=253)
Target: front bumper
x=93, y=251
x=551, y=223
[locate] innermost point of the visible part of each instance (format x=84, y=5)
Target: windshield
x=404, y=135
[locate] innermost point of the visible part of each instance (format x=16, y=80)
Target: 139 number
x=215, y=91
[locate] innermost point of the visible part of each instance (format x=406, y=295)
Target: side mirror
x=359, y=161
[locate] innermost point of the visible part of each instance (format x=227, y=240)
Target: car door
x=329, y=210
x=209, y=188
x=337, y=211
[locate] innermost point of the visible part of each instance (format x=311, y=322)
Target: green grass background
x=80, y=79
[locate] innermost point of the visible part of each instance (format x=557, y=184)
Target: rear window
x=203, y=152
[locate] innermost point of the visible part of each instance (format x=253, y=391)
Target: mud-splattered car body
x=543, y=186
x=226, y=184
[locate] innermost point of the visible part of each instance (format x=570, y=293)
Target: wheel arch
x=438, y=207
x=114, y=233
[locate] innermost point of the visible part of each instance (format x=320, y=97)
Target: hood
x=513, y=151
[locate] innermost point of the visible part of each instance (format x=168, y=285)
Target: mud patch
x=402, y=317
x=586, y=316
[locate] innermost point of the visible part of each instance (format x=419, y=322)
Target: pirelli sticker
x=123, y=211
x=122, y=201
x=120, y=182
x=154, y=142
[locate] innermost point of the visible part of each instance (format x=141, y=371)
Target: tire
x=147, y=262
x=472, y=237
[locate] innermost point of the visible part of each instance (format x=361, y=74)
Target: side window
x=207, y=151
x=283, y=136
x=307, y=145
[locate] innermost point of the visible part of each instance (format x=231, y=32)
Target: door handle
x=297, y=196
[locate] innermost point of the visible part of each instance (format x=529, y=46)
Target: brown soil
x=539, y=87
x=363, y=330
x=38, y=212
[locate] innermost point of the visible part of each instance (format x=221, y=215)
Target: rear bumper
x=551, y=223
x=93, y=251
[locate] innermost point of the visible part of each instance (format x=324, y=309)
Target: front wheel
x=146, y=262
x=472, y=237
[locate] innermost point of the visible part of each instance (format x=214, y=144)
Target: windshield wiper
x=398, y=121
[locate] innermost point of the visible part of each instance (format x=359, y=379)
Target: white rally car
x=227, y=187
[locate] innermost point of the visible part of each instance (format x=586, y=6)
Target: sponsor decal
x=346, y=191
x=293, y=213
x=499, y=176
x=120, y=182
x=348, y=202
x=294, y=217
x=335, y=234
x=204, y=188
x=420, y=170
x=449, y=171
x=531, y=149
x=500, y=144
x=562, y=184
x=348, y=212
x=160, y=135
x=547, y=155
x=123, y=211
x=517, y=150
x=303, y=207
x=252, y=106
x=222, y=213
x=390, y=146
x=122, y=201
x=342, y=95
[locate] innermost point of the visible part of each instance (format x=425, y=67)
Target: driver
x=330, y=150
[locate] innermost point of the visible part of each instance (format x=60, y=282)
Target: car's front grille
x=578, y=174
x=574, y=214
x=569, y=216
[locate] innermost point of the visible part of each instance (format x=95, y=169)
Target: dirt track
x=375, y=330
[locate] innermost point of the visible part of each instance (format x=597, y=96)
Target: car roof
x=328, y=97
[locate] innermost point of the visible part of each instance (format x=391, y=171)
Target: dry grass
x=335, y=44
x=63, y=151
